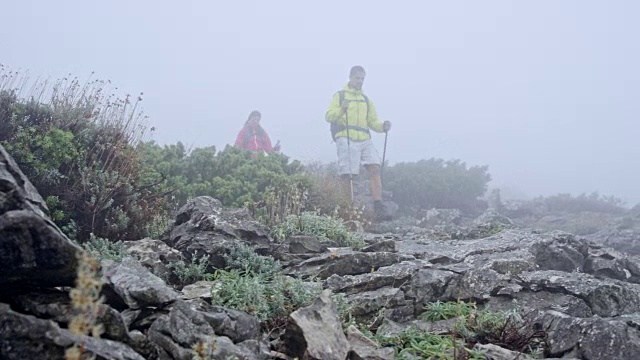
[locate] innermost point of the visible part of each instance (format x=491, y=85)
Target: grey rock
x=367, y=304
x=381, y=246
x=363, y=348
x=27, y=337
x=622, y=234
x=236, y=325
x=16, y=191
x=346, y=262
x=137, y=286
x=605, y=297
x=204, y=226
x=593, y=338
x=33, y=252
x=315, y=332
x=155, y=255
x=185, y=327
x=496, y=352
x=395, y=275
x=439, y=218
x=302, y=244
x=198, y=290
x=47, y=304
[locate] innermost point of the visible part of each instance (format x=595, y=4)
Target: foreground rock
x=27, y=337
x=315, y=332
x=185, y=328
x=155, y=255
x=33, y=251
x=137, y=286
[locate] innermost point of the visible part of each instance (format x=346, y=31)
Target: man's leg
x=348, y=166
x=372, y=161
x=375, y=181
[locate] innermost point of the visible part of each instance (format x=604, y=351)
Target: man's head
x=356, y=77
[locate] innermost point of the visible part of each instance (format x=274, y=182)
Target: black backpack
x=335, y=127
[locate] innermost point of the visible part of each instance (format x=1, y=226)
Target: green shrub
x=193, y=271
x=257, y=285
x=593, y=202
x=75, y=143
x=243, y=258
x=268, y=298
x=103, y=249
x=436, y=183
x=473, y=326
x=321, y=226
x=447, y=310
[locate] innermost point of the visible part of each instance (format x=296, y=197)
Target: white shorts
x=361, y=152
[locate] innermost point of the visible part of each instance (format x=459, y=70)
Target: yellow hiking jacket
x=360, y=118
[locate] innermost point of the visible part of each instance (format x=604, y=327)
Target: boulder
x=185, y=327
x=363, y=348
x=136, y=285
x=204, y=226
x=155, y=255
x=346, y=262
x=315, y=332
x=27, y=337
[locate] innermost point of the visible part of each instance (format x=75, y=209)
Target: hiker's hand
x=345, y=105
x=386, y=126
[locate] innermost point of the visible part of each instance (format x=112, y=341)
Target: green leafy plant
x=270, y=299
x=322, y=226
x=193, y=271
x=435, y=183
x=103, y=249
x=244, y=258
x=447, y=310
x=472, y=326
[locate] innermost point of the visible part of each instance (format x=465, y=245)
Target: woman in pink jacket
x=252, y=137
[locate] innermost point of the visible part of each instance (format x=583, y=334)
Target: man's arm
x=335, y=113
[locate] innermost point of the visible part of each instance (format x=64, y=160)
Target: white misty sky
x=544, y=92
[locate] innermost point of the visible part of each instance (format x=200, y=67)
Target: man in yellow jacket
x=352, y=115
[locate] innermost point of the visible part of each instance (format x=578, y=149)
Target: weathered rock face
x=137, y=286
x=33, y=251
x=315, y=332
x=622, y=234
x=363, y=348
x=155, y=255
x=346, y=262
x=440, y=218
x=27, y=337
x=203, y=226
x=185, y=327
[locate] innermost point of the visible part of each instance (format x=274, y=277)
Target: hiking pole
x=346, y=117
x=384, y=153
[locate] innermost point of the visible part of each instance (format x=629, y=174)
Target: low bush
x=593, y=202
x=473, y=326
x=257, y=285
x=322, y=226
x=436, y=183
x=245, y=259
x=103, y=249
x=193, y=271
